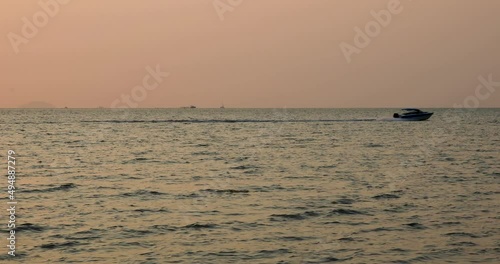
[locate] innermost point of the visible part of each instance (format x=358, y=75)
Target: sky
x=249, y=53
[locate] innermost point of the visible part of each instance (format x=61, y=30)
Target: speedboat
x=412, y=114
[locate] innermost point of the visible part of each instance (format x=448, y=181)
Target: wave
x=59, y=245
x=30, y=227
x=163, y=228
x=161, y=210
x=90, y=234
x=286, y=217
x=462, y=234
x=142, y=192
x=272, y=252
x=294, y=238
x=378, y=229
x=386, y=196
x=200, y=226
x=344, y=201
x=63, y=187
x=224, y=254
x=229, y=191
x=347, y=212
x=464, y=244
x=415, y=225
x=243, y=167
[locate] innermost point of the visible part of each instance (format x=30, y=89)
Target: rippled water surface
x=254, y=186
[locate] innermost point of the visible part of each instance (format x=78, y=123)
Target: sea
x=251, y=186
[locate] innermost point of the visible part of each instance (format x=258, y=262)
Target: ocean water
x=253, y=186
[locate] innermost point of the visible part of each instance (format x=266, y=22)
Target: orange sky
x=265, y=53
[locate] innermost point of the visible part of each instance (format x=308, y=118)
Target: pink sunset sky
x=249, y=53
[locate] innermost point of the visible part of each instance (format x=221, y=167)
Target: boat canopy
x=411, y=109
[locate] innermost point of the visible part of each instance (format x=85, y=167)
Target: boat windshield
x=412, y=110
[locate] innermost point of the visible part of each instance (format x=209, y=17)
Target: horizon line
x=130, y=108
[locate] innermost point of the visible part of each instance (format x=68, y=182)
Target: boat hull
x=416, y=117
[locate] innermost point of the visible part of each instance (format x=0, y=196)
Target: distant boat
x=192, y=106
x=222, y=106
x=412, y=114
